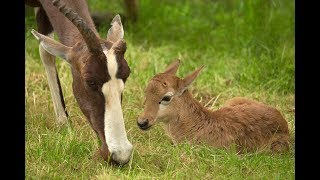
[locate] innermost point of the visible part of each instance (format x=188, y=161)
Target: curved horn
x=88, y=35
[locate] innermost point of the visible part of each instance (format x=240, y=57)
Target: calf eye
x=165, y=100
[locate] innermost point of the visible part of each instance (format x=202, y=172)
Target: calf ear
x=116, y=31
x=184, y=84
x=53, y=47
x=172, y=68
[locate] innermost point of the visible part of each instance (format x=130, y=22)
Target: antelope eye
x=92, y=84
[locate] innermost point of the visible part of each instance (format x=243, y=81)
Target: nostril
x=113, y=161
x=119, y=159
x=144, y=123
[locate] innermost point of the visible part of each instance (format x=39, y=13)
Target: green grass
x=247, y=47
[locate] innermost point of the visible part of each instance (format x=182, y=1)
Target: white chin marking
x=114, y=128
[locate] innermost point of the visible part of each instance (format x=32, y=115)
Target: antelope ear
x=184, y=84
x=120, y=46
x=116, y=31
x=173, y=67
x=53, y=47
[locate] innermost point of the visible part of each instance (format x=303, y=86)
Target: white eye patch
x=166, y=99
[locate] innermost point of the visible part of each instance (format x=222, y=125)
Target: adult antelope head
x=98, y=67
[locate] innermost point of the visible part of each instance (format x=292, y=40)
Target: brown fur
x=248, y=124
x=89, y=70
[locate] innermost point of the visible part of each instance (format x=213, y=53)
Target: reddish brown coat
x=248, y=124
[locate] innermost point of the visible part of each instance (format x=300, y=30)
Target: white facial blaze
x=114, y=128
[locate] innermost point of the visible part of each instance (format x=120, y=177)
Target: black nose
x=144, y=124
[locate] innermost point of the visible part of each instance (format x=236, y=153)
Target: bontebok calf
x=248, y=124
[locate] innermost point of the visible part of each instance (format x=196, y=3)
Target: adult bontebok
x=98, y=68
x=245, y=123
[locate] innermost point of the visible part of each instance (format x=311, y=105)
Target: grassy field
x=247, y=47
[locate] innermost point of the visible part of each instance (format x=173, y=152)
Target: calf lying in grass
x=248, y=124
